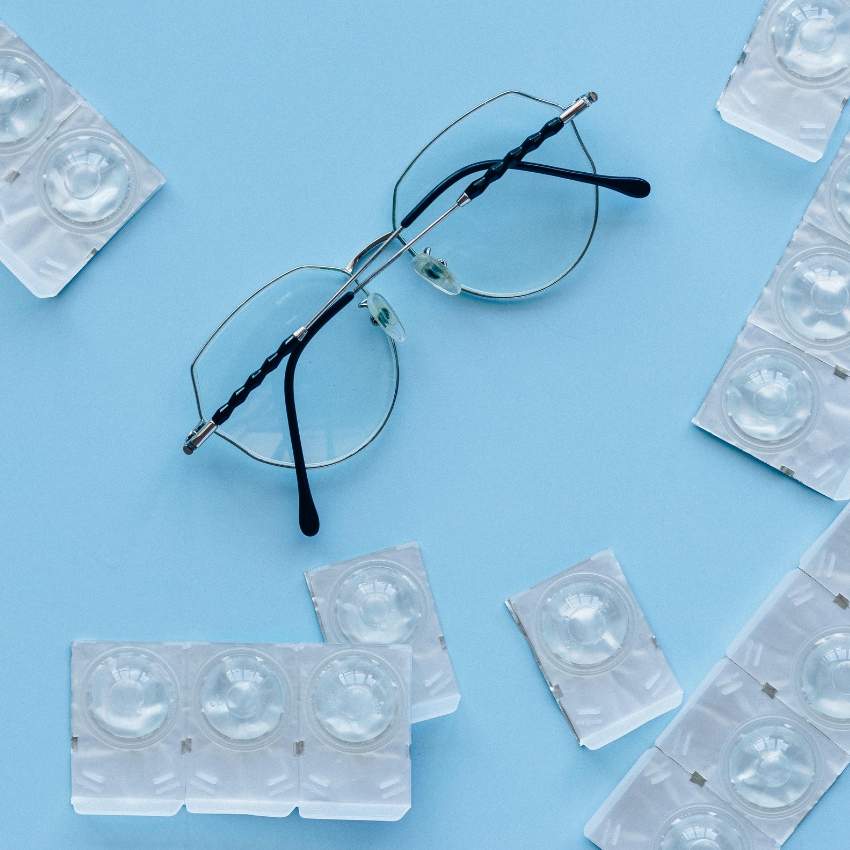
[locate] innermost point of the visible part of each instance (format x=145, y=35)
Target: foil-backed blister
x=385, y=598
x=596, y=650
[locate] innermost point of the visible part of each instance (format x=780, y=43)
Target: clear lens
x=527, y=230
x=701, y=829
x=345, y=383
x=24, y=99
x=824, y=678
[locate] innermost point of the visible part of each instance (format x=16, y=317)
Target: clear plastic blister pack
x=385, y=598
x=797, y=646
x=828, y=558
x=596, y=651
x=752, y=750
x=240, y=729
x=829, y=209
x=658, y=807
x=793, y=76
x=787, y=408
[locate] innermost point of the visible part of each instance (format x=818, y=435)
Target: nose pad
x=384, y=316
x=436, y=272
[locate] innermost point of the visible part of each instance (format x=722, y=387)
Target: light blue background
x=526, y=436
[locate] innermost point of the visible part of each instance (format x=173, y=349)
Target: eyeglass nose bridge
x=364, y=252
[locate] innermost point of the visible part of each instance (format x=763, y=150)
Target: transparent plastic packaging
x=752, y=750
x=793, y=76
x=658, y=807
x=784, y=407
x=385, y=598
x=240, y=729
x=829, y=209
x=828, y=559
x=596, y=651
x=797, y=646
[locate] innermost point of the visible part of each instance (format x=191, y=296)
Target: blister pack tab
x=797, y=646
x=752, y=750
x=827, y=560
x=240, y=729
x=793, y=76
x=784, y=407
x=807, y=300
x=385, y=598
x=657, y=806
x=596, y=651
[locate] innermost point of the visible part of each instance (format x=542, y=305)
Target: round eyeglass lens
x=345, y=383
x=701, y=828
x=770, y=398
x=527, y=230
x=243, y=698
x=584, y=622
x=771, y=766
x=814, y=297
x=378, y=603
x=24, y=99
x=824, y=678
x=811, y=38
x=131, y=695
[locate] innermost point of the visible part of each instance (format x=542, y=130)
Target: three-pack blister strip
x=68, y=179
x=783, y=394
x=766, y=733
x=385, y=598
x=793, y=77
x=596, y=650
x=241, y=729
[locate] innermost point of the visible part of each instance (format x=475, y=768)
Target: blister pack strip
x=596, y=651
x=241, y=729
x=828, y=559
x=70, y=179
x=793, y=76
x=385, y=598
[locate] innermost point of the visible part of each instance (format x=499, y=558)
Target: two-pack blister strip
x=385, y=598
x=596, y=650
x=241, y=729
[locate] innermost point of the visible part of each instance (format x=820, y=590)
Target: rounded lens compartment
x=701, y=828
x=132, y=696
x=243, y=696
x=770, y=398
x=585, y=622
x=356, y=700
x=345, y=383
x=25, y=100
x=379, y=603
x=823, y=678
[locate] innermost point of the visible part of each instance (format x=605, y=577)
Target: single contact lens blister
x=752, y=750
x=793, y=76
x=829, y=210
x=240, y=729
x=786, y=408
x=807, y=300
x=658, y=807
x=385, y=598
x=69, y=199
x=596, y=651
x=828, y=558
x=797, y=646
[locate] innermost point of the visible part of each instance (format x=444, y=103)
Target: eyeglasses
x=524, y=235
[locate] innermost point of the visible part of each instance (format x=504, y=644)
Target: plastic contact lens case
x=240, y=729
x=752, y=750
x=658, y=807
x=793, y=76
x=596, y=650
x=385, y=598
x=797, y=646
x=807, y=300
x=784, y=407
x=828, y=559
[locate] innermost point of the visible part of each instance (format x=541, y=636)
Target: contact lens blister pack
x=596, y=651
x=828, y=558
x=797, y=647
x=658, y=807
x=829, y=209
x=807, y=300
x=752, y=750
x=240, y=729
x=385, y=598
x=793, y=76
x=786, y=408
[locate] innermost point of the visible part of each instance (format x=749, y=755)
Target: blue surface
x=526, y=436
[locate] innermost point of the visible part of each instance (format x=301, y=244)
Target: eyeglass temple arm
x=634, y=187
x=308, y=516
